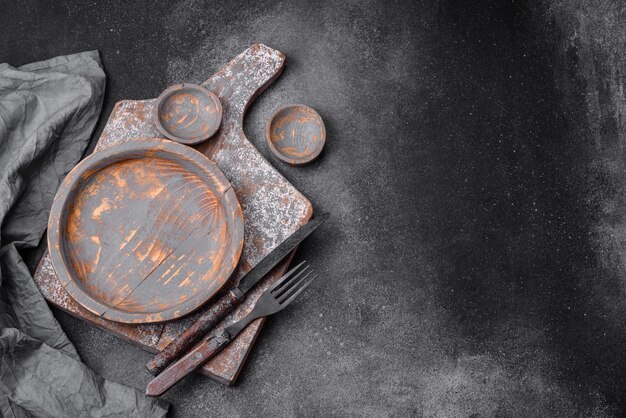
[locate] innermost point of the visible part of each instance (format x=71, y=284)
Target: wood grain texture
x=272, y=208
x=145, y=231
x=296, y=134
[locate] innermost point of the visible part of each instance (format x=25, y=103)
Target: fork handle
x=195, y=332
x=204, y=350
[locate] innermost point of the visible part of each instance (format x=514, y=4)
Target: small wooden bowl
x=296, y=134
x=145, y=231
x=188, y=113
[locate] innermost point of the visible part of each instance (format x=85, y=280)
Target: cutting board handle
x=258, y=65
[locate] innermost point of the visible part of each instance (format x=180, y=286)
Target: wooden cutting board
x=272, y=208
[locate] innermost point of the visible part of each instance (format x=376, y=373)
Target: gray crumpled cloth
x=48, y=111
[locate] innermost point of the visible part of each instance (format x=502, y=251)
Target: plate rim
x=65, y=191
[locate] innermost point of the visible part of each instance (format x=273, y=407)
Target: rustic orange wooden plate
x=146, y=231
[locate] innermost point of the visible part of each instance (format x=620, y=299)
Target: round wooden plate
x=188, y=113
x=145, y=231
x=296, y=134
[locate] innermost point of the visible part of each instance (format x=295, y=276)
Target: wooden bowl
x=188, y=113
x=145, y=231
x=296, y=134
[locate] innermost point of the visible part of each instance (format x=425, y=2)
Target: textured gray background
x=475, y=171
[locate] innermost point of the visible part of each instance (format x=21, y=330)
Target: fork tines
x=290, y=286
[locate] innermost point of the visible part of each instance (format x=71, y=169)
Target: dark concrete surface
x=475, y=170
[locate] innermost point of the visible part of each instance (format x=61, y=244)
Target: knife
x=230, y=300
x=273, y=299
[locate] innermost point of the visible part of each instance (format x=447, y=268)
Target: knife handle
x=195, y=332
x=204, y=350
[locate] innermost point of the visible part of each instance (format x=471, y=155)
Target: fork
x=274, y=299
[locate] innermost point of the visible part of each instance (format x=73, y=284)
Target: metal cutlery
x=274, y=299
x=230, y=300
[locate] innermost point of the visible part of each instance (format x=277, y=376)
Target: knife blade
x=231, y=299
x=259, y=271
